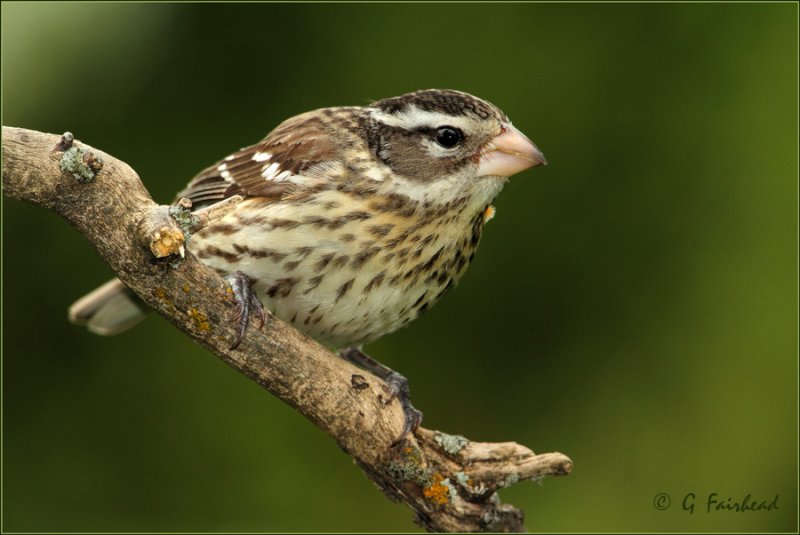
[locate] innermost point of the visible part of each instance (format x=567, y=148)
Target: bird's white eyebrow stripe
x=413, y=117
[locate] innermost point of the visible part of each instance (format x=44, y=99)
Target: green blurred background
x=634, y=304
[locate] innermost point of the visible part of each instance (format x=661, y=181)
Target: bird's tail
x=110, y=309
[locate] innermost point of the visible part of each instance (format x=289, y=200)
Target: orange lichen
x=437, y=492
x=200, y=320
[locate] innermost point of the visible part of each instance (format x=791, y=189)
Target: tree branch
x=448, y=481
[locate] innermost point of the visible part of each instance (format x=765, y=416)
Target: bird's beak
x=509, y=153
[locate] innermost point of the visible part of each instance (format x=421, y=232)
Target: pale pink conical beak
x=509, y=153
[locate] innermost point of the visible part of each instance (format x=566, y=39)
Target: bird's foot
x=397, y=385
x=398, y=388
x=247, y=303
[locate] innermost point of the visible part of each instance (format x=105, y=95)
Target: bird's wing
x=288, y=160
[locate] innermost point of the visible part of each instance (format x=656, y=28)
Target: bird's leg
x=247, y=302
x=398, y=387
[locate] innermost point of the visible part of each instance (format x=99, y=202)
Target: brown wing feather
x=294, y=146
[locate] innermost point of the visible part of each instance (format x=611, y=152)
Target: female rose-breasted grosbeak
x=355, y=220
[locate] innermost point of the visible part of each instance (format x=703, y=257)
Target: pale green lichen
x=82, y=164
x=462, y=479
x=451, y=444
x=509, y=480
x=403, y=470
x=451, y=488
x=184, y=218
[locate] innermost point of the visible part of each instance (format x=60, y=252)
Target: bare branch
x=447, y=480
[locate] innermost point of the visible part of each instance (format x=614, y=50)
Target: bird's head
x=446, y=141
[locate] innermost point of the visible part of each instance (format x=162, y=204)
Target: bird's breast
x=345, y=268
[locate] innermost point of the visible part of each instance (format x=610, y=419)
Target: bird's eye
x=448, y=137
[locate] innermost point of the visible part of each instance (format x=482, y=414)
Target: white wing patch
x=224, y=173
x=273, y=173
x=261, y=156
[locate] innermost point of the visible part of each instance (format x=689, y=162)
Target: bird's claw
x=398, y=389
x=247, y=302
x=396, y=384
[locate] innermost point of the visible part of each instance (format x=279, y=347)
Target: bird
x=355, y=220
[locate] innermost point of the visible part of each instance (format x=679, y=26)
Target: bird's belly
x=340, y=284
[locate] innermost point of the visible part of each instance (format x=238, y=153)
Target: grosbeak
x=355, y=220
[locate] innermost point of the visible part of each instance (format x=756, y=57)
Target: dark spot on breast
x=323, y=262
x=376, y=281
x=427, y=266
x=259, y=253
x=445, y=289
x=379, y=231
x=360, y=258
x=225, y=230
x=304, y=251
x=340, y=261
x=341, y=221
x=316, y=221
x=343, y=289
x=288, y=224
x=394, y=202
x=313, y=282
x=212, y=251
x=282, y=287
